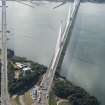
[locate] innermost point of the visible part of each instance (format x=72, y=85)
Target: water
x=34, y=33
x=84, y=63
x=34, y=30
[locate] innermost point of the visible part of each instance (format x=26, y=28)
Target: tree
x=10, y=53
x=25, y=82
x=61, y=89
x=81, y=99
x=75, y=94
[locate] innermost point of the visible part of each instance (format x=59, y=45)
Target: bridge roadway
x=59, y=53
x=4, y=80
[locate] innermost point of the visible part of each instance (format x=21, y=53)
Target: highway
x=61, y=46
x=4, y=80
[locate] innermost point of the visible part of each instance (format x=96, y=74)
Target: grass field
x=28, y=98
x=15, y=101
x=52, y=99
x=64, y=103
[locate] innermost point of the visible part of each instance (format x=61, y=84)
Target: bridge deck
x=58, y=55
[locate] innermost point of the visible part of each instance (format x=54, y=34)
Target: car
x=44, y=88
x=71, y=18
x=34, y=90
x=34, y=98
x=39, y=99
x=34, y=93
x=47, y=96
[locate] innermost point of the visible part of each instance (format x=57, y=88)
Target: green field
x=64, y=103
x=28, y=98
x=52, y=99
x=16, y=101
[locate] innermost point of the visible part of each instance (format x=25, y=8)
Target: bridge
x=56, y=62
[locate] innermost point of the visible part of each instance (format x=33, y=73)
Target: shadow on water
x=84, y=59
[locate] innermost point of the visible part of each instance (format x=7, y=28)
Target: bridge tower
x=4, y=80
x=68, y=31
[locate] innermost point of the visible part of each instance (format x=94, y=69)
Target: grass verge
x=28, y=98
x=64, y=103
x=52, y=99
x=15, y=101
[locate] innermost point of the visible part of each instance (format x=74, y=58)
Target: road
x=62, y=42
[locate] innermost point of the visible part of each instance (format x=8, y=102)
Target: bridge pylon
x=4, y=78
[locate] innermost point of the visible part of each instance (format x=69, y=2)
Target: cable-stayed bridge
x=56, y=62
